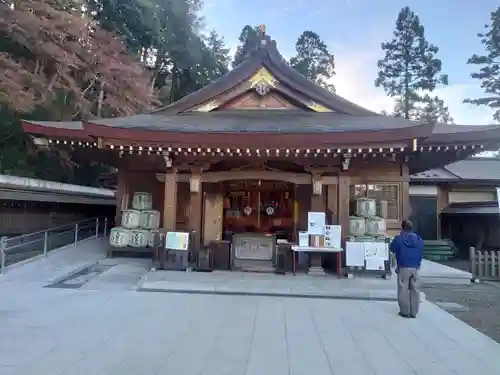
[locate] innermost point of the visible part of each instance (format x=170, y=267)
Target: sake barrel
x=375, y=226
x=356, y=226
x=142, y=201
x=131, y=219
x=119, y=237
x=366, y=207
x=150, y=219
x=139, y=238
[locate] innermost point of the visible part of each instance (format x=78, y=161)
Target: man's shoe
x=403, y=315
x=413, y=316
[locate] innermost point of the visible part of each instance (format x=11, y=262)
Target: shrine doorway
x=259, y=206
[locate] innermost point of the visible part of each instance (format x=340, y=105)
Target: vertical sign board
x=498, y=198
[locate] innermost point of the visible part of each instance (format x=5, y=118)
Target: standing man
x=408, y=247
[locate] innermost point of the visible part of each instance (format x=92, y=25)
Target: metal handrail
x=22, y=247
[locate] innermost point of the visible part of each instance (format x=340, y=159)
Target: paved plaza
x=107, y=331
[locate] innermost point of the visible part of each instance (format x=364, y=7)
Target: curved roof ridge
x=301, y=79
x=268, y=56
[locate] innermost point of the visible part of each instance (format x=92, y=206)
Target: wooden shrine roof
x=267, y=57
x=318, y=117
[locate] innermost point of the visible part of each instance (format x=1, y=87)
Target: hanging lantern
x=194, y=183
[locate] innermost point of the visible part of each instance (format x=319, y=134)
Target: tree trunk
x=100, y=100
x=174, y=84
x=406, y=104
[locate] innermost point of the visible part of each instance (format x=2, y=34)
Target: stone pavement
x=75, y=332
x=435, y=273
x=264, y=284
x=58, y=264
x=100, y=330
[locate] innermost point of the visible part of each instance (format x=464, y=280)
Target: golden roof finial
x=263, y=28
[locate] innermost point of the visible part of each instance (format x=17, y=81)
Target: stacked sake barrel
x=139, y=225
x=366, y=225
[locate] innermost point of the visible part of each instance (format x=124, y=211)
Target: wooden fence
x=484, y=264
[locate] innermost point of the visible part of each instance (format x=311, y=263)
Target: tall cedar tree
x=313, y=59
x=433, y=110
x=249, y=41
x=489, y=63
x=166, y=35
x=430, y=109
x=409, y=65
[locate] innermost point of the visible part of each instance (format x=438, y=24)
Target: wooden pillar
x=405, y=192
x=122, y=193
x=442, y=200
x=332, y=204
x=170, y=201
x=343, y=203
x=195, y=208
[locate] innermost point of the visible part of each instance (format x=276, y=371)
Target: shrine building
x=257, y=149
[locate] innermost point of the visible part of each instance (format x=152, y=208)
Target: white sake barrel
x=366, y=207
x=375, y=226
x=119, y=237
x=356, y=226
x=150, y=219
x=142, y=201
x=131, y=219
x=139, y=238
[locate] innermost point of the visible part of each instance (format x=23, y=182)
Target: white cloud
x=356, y=72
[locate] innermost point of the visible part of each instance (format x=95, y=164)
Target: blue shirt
x=408, y=247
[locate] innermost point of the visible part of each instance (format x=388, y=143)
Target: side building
x=29, y=204
x=459, y=201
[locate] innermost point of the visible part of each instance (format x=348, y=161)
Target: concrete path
x=58, y=264
x=103, y=330
x=76, y=332
x=432, y=273
x=262, y=284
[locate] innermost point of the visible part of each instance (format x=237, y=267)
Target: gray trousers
x=408, y=291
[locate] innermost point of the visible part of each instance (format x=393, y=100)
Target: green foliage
x=428, y=109
x=249, y=41
x=409, y=65
x=434, y=111
x=164, y=35
x=489, y=66
x=313, y=59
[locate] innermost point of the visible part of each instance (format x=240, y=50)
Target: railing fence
x=19, y=248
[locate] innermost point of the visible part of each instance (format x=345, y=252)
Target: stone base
x=316, y=271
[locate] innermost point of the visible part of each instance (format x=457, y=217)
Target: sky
x=354, y=30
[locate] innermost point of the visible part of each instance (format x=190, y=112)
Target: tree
x=57, y=64
x=409, y=65
x=430, y=110
x=313, y=59
x=45, y=51
x=433, y=111
x=249, y=41
x=218, y=51
x=489, y=63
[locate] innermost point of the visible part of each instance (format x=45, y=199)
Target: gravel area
x=480, y=304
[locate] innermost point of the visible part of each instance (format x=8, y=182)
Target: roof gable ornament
x=318, y=107
x=207, y=107
x=262, y=81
